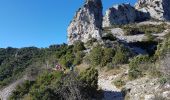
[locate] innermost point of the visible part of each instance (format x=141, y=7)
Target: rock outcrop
x=123, y=14
x=158, y=9
x=119, y=14
x=87, y=22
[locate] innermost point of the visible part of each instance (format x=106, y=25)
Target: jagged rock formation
x=158, y=9
x=87, y=22
x=144, y=9
x=123, y=14
x=119, y=14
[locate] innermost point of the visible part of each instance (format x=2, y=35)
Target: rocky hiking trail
x=7, y=91
x=111, y=92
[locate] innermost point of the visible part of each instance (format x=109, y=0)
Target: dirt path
x=110, y=91
x=7, y=91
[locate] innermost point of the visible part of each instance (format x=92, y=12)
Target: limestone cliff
x=87, y=22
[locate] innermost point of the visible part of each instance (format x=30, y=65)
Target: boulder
x=87, y=23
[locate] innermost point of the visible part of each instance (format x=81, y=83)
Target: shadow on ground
x=111, y=95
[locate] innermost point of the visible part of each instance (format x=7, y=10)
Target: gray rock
x=158, y=9
x=119, y=14
x=123, y=14
x=149, y=97
x=87, y=22
x=166, y=94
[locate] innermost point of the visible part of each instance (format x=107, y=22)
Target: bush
x=119, y=83
x=96, y=55
x=41, y=88
x=67, y=60
x=91, y=41
x=108, y=54
x=149, y=37
x=163, y=80
x=21, y=90
x=121, y=55
x=143, y=29
x=90, y=78
x=132, y=31
x=163, y=47
x=100, y=56
x=109, y=36
x=78, y=46
x=78, y=58
x=136, y=66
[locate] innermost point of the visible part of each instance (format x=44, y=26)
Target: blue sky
x=39, y=23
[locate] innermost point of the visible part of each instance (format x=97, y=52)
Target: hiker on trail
x=72, y=68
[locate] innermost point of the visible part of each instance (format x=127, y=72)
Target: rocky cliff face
x=143, y=10
x=123, y=14
x=158, y=9
x=119, y=14
x=87, y=22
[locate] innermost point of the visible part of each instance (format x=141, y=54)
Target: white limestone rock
x=158, y=9
x=87, y=22
x=123, y=14
x=150, y=97
x=119, y=14
x=166, y=94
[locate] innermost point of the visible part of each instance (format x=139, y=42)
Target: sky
x=39, y=23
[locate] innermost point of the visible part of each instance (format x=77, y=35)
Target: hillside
x=123, y=55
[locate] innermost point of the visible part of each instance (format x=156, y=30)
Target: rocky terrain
x=88, y=21
x=130, y=39
x=151, y=13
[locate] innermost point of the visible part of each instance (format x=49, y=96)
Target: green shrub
x=149, y=37
x=100, y=56
x=90, y=78
x=21, y=90
x=96, y=55
x=163, y=80
x=134, y=74
x=108, y=54
x=67, y=60
x=142, y=29
x=121, y=55
x=41, y=88
x=109, y=36
x=163, y=47
x=119, y=83
x=91, y=41
x=78, y=58
x=78, y=46
x=137, y=66
x=132, y=31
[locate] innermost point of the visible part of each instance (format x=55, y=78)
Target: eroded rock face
x=123, y=14
x=87, y=22
x=119, y=14
x=158, y=9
